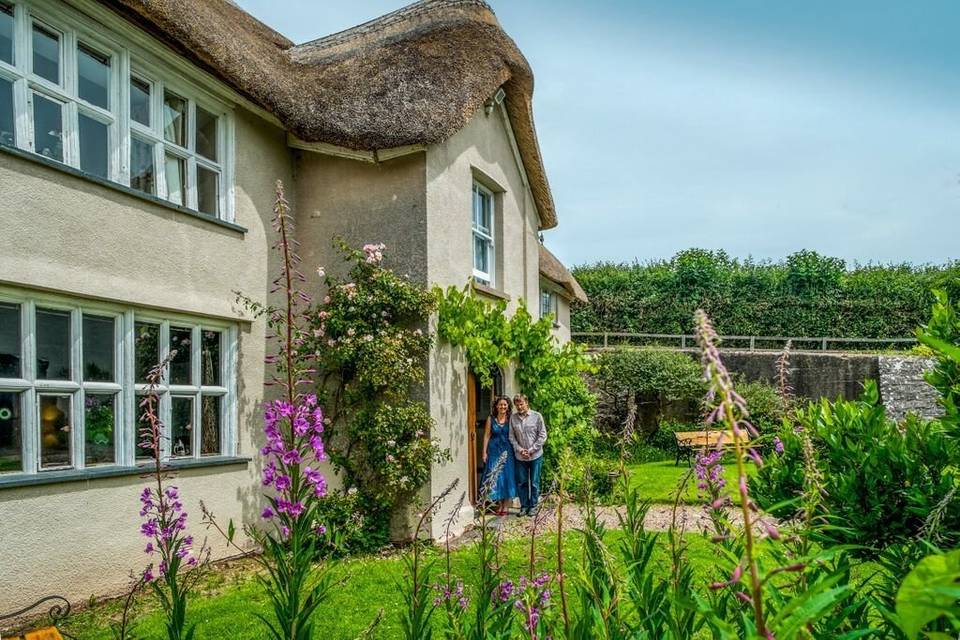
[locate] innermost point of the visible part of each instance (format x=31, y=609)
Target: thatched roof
x=415, y=76
x=552, y=269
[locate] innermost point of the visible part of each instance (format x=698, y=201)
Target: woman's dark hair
x=496, y=401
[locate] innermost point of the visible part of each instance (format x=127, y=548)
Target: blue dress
x=505, y=486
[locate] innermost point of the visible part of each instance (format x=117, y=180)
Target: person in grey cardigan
x=528, y=433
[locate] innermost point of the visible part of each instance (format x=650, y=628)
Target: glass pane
x=99, y=342
x=206, y=134
x=176, y=174
x=11, y=433
x=46, y=53
x=140, y=101
x=142, y=174
x=94, y=147
x=6, y=33
x=6, y=113
x=210, y=426
x=481, y=255
x=146, y=348
x=47, y=127
x=9, y=340
x=210, y=358
x=98, y=427
x=180, y=369
x=181, y=426
x=53, y=344
x=55, y=426
x=208, y=191
x=93, y=70
x=174, y=119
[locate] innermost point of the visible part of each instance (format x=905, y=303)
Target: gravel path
x=659, y=517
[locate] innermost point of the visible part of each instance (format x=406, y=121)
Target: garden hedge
x=807, y=294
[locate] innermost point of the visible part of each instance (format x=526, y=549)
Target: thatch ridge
x=413, y=77
x=552, y=269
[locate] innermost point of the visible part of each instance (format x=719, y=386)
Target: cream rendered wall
x=361, y=203
x=480, y=151
x=65, y=234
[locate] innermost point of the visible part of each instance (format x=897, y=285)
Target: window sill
x=490, y=291
x=63, y=168
x=95, y=473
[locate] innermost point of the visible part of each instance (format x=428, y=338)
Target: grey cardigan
x=528, y=432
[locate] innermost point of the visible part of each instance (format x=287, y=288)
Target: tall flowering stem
x=293, y=427
x=165, y=522
x=729, y=408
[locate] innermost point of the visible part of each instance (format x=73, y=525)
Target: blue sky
x=757, y=127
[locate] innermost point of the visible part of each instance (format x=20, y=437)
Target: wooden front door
x=472, y=436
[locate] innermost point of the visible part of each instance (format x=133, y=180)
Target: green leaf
x=920, y=599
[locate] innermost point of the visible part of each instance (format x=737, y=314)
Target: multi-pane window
x=483, y=246
x=69, y=398
x=548, y=303
x=76, y=97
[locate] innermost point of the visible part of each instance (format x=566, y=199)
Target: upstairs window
x=71, y=99
x=483, y=246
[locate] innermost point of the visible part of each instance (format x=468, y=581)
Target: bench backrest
x=705, y=438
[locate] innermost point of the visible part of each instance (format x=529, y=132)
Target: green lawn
x=229, y=600
x=658, y=481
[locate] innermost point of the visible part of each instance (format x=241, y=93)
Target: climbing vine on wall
x=548, y=373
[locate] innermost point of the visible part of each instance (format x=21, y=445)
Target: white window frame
x=486, y=236
x=553, y=304
x=126, y=390
x=126, y=58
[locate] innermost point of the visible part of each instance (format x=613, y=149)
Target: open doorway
x=479, y=401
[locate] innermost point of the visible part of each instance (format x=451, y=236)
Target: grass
x=230, y=599
x=658, y=481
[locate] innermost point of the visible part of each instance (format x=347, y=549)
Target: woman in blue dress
x=496, y=441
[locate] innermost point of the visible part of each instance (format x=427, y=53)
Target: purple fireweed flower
x=148, y=574
x=149, y=548
x=777, y=444
x=267, y=513
x=292, y=457
x=283, y=483
x=149, y=528
x=312, y=475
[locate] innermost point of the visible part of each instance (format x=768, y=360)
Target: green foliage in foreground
x=806, y=294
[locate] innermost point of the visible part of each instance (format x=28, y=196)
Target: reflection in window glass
x=140, y=101
x=210, y=358
x=6, y=33
x=206, y=134
x=93, y=71
x=210, y=429
x=180, y=370
x=481, y=254
x=142, y=174
x=55, y=425
x=46, y=53
x=7, y=135
x=99, y=342
x=11, y=433
x=208, y=191
x=47, y=127
x=53, y=344
x=99, y=424
x=94, y=147
x=176, y=175
x=181, y=426
x=9, y=341
x=146, y=349
x=174, y=119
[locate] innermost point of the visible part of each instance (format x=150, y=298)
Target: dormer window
x=71, y=95
x=484, y=257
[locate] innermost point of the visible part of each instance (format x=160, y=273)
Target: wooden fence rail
x=603, y=339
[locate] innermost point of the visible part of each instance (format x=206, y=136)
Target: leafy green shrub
x=805, y=295
x=593, y=477
x=880, y=480
x=766, y=406
x=352, y=523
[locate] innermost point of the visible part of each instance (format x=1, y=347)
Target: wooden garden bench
x=688, y=442
x=57, y=613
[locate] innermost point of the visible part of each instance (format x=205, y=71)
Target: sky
x=756, y=127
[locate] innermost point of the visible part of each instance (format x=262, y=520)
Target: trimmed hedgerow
x=807, y=294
